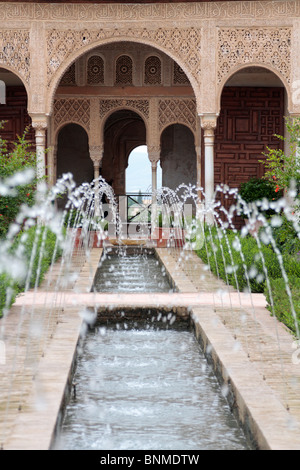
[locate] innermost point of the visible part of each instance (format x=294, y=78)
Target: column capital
x=39, y=121
x=154, y=155
x=96, y=154
x=208, y=122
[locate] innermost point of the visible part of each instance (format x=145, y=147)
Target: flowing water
x=144, y=388
x=147, y=389
x=133, y=270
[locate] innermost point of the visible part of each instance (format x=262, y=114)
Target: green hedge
x=222, y=253
x=32, y=239
x=37, y=242
x=7, y=285
x=257, y=189
x=238, y=261
x=282, y=303
x=286, y=237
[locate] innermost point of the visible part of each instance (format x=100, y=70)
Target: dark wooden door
x=247, y=123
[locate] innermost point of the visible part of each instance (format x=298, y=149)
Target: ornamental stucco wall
x=210, y=41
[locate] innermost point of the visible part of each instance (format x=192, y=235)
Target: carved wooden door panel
x=247, y=123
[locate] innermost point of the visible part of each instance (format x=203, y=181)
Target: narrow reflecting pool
x=135, y=270
x=140, y=389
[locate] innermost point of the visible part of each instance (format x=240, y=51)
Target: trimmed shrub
x=286, y=237
x=7, y=288
x=43, y=245
x=257, y=189
x=40, y=263
x=282, y=303
x=225, y=254
x=238, y=260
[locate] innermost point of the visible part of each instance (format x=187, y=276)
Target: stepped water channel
x=142, y=381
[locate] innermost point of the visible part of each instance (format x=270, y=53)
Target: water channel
x=142, y=387
x=131, y=270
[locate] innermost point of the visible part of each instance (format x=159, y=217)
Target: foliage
x=73, y=219
x=238, y=260
x=20, y=158
x=40, y=248
x=257, y=189
x=286, y=237
x=282, y=302
x=283, y=168
x=8, y=292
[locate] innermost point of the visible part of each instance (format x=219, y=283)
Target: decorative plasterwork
x=184, y=44
x=270, y=46
x=182, y=111
x=149, y=12
x=72, y=110
x=124, y=70
x=69, y=77
x=152, y=71
x=108, y=105
x=14, y=51
x=95, y=70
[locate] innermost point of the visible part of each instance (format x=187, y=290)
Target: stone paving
x=250, y=351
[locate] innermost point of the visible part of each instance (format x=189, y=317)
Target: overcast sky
x=138, y=172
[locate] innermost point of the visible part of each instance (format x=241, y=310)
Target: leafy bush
x=284, y=168
x=286, y=237
x=238, y=260
x=19, y=159
x=42, y=246
x=8, y=288
x=39, y=245
x=257, y=189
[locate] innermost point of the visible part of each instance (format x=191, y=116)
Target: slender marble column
x=209, y=124
x=96, y=155
x=154, y=156
x=40, y=124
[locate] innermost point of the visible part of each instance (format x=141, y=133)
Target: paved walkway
x=250, y=351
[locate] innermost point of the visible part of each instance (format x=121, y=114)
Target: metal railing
x=138, y=208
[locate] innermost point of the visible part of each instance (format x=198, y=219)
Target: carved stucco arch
x=177, y=111
x=15, y=72
x=120, y=107
x=262, y=65
x=63, y=67
x=14, y=45
x=72, y=111
x=66, y=123
x=174, y=122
